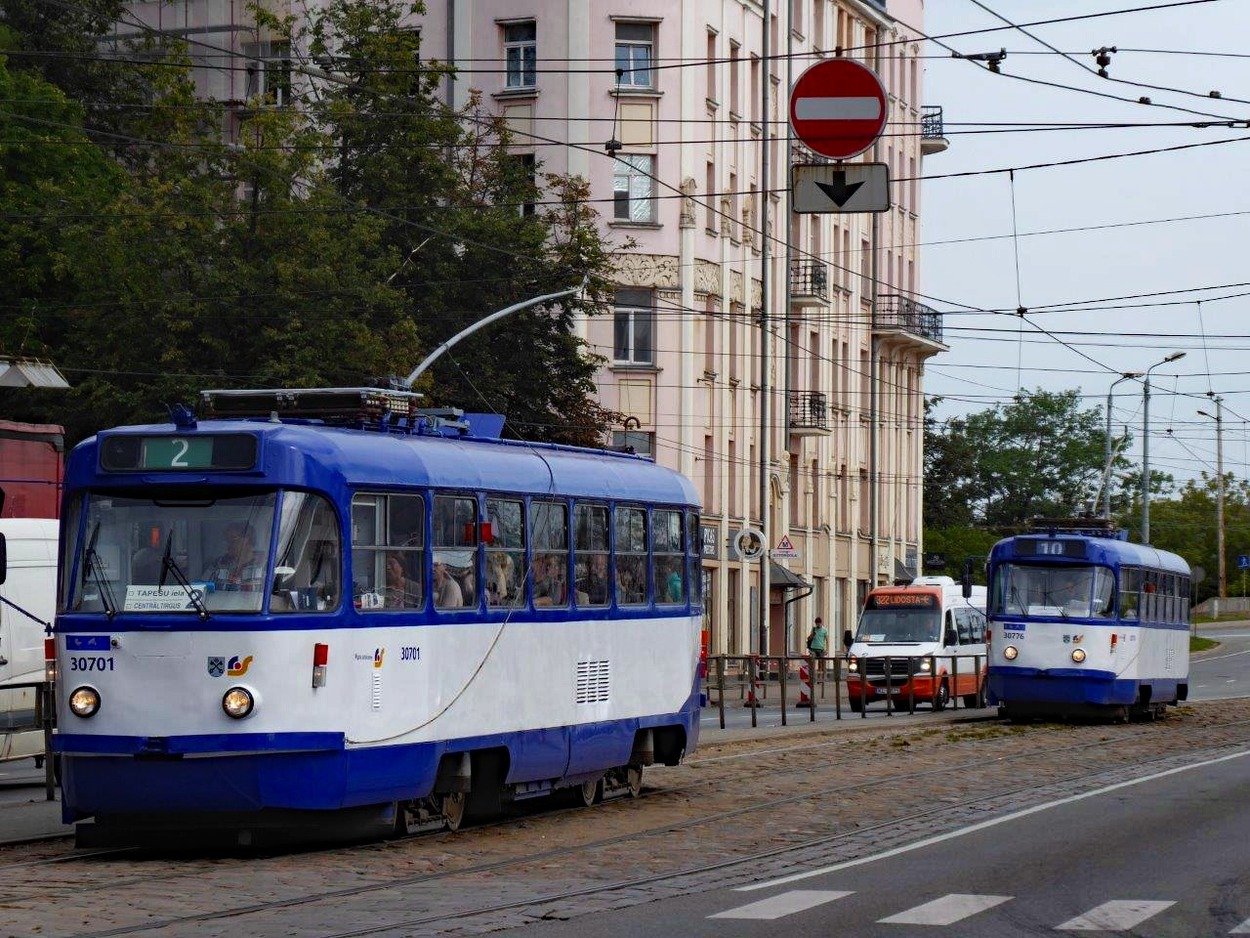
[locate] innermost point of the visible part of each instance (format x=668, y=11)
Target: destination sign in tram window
x=186, y=452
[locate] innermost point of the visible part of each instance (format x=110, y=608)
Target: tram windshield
x=1080, y=591
x=900, y=625
x=203, y=555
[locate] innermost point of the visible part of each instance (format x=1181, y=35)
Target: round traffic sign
x=838, y=107
x=750, y=543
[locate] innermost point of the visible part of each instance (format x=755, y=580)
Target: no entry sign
x=838, y=107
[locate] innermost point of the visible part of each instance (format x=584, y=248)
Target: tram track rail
x=1079, y=760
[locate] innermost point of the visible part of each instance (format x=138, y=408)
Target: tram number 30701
x=91, y=664
x=410, y=653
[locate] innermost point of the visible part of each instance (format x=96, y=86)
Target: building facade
x=775, y=358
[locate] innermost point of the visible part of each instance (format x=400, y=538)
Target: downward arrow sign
x=838, y=191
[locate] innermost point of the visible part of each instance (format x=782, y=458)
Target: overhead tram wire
x=322, y=74
x=1105, y=77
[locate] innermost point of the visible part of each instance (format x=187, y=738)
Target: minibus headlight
x=1011, y=652
x=1078, y=655
x=238, y=702
x=852, y=664
x=926, y=664
x=84, y=701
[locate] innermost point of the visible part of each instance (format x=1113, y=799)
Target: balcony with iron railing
x=903, y=319
x=808, y=413
x=809, y=282
x=932, y=132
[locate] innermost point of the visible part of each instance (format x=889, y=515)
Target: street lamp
x=1218, y=417
x=1106, y=481
x=1145, y=447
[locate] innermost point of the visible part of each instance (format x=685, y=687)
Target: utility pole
x=1218, y=417
x=765, y=346
x=1145, y=447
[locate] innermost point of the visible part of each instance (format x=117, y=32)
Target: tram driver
x=241, y=567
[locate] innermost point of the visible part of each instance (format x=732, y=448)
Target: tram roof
x=1105, y=550
x=308, y=454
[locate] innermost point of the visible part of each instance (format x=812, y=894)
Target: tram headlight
x=1011, y=652
x=1078, y=655
x=84, y=701
x=238, y=702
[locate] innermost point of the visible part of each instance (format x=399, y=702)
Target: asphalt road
x=1160, y=857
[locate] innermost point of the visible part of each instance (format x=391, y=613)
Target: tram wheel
x=593, y=791
x=633, y=780
x=452, y=805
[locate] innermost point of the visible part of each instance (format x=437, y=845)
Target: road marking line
x=1242, y=929
x=1117, y=915
x=787, y=903
x=945, y=911
x=985, y=825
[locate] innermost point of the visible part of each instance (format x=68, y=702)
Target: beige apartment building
x=777, y=359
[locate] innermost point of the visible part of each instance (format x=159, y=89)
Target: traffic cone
x=805, y=686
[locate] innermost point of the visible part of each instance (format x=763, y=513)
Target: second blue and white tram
x=269, y=623
x=1083, y=622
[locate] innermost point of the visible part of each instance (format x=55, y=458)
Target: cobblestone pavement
x=736, y=812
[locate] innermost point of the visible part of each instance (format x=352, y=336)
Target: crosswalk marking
x=1118, y=915
x=787, y=903
x=945, y=911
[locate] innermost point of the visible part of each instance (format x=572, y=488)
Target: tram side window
x=308, y=574
x=694, y=549
x=388, y=551
x=455, y=551
x=1130, y=590
x=669, y=552
x=590, y=545
x=631, y=556
x=549, y=534
x=505, y=553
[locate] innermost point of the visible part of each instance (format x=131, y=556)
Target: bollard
x=805, y=684
x=753, y=676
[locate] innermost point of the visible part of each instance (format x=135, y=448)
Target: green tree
x=1039, y=455
x=456, y=206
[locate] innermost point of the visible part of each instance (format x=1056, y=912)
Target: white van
x=29, y=589
x=929, y=635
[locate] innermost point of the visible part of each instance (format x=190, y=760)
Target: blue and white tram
x=270, y=621
x=1086, y=623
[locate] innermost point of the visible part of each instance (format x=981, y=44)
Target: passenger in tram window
x=241, y=567
x=402, y=591
x=447, y=592
x=550, y=588
x=594, y=582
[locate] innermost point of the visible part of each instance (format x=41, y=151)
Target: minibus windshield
x=900, y=625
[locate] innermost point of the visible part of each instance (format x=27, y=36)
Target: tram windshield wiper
x=168, y=566
x=91, y=561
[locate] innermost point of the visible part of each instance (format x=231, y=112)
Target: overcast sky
x=1093, y=237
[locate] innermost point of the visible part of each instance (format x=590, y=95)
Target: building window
x=527, y=167
x=633, y=188
x=520, y=46
x=268, y=72
x=634, y=327
x=638, y=442
x=635, y=45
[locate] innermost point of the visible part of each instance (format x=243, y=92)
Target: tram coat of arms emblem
x=216, y=666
